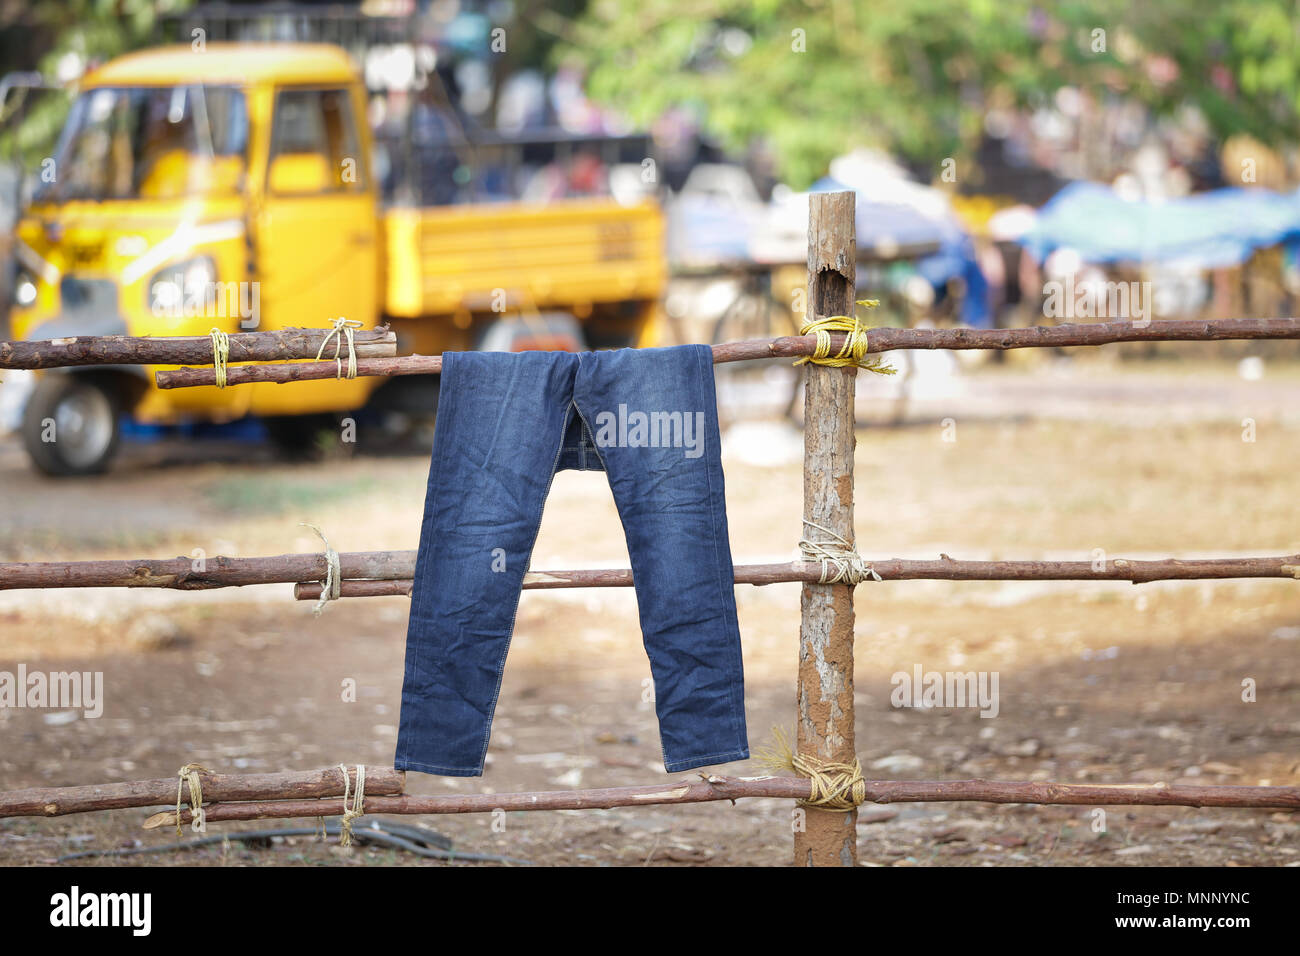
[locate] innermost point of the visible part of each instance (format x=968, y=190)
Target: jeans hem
x=435, y=769
x=705, y=760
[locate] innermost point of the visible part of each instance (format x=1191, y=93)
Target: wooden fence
x=825, y=725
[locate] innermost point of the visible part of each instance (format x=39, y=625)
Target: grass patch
x=258, y=494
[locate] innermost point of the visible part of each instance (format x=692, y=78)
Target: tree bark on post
x=825, y=691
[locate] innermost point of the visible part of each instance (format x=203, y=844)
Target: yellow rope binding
x=840, y=563
x=854, y=350
x=358, y=807
x=330, y=587
x=832, y=785
x=190, y=774
x=220, y=355
x=343, y=331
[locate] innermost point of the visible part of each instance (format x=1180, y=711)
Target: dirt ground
x=1099, y=682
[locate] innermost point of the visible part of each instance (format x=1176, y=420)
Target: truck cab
x=228, y=188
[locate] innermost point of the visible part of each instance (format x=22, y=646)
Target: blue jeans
x=506, y=424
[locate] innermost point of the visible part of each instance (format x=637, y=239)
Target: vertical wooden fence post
x=825, y=694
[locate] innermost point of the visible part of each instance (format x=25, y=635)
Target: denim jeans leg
x=501, y=423
x=665, y=471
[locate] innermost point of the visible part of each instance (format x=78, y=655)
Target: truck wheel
x=70, y=425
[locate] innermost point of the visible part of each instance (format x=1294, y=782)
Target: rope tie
x=832, y=785
x=190, y=774
x=358, y=806
x=840, y=563
x=343, y=331
x=329, y=588
x=854, y=350
x=220, y=355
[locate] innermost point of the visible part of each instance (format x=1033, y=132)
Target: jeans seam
x=428, y=767
x=431, y=508
x=722, y=592
x=739, y=753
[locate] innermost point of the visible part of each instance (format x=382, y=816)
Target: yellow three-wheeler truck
x=236, y=187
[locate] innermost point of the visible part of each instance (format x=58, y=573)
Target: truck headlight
x=24, y=289
x=182, y=288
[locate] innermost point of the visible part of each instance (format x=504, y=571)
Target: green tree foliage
x=87, y=32
x=916, y=77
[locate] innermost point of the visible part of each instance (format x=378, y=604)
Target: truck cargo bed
x=446, y=259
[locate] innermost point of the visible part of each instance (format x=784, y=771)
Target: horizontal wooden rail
x=879, y=340
x=315, y=792
x=1120, y=569
x=278, y=346
x=712, y=788
x=377, y=573
x=188, y=574
x=318, y=793
x=56, y=801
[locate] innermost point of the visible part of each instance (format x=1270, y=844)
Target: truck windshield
x=150, y=143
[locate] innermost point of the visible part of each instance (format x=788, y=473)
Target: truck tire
x=71, y=424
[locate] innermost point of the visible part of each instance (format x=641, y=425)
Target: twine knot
x=852, y=352
x=832, y=785
x=841, y=564
x=190, y=774
x=220, y=355
x=343, y=331
x=357, y=808
x=329, y=588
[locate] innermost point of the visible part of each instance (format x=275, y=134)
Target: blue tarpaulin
x=1209, y=230
x=705, y=230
